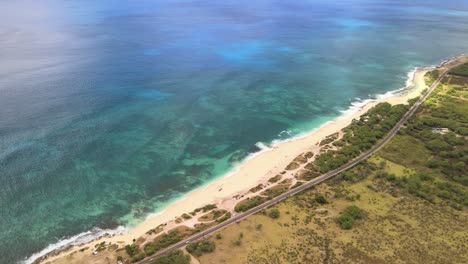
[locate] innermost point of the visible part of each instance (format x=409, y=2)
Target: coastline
x=255, y=169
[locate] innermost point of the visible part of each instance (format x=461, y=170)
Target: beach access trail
x=315, y=181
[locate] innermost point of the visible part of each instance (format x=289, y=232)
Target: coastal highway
x=319, y=179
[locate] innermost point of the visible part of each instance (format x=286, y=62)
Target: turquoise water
x=111, y=109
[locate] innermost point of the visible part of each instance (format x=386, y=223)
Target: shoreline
x=255, y=169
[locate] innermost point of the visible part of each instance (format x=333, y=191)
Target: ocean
x=110, y=110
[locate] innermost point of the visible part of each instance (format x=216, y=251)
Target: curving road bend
x=319, y=179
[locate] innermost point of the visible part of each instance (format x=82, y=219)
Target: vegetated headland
x=425, y=160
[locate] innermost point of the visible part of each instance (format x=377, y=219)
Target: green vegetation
x=138, y=257
x=435, y=148
x=347, y=218
x=162, y=241
x=199, y=248
x=274, y=213
x=432, y=76
x=249, y=203
x=205, y=208
x=276, y=190
x=360, y=136
x=224, y=218
x=461, y=70
x=321, y=199
x=173, y=257
x=186, y=216
x=329, y=139
x=274, y=179
x=131, y=250
x=256, y=188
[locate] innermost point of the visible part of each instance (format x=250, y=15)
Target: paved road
x=326, y=176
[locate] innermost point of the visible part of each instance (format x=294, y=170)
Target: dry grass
x=397, y=228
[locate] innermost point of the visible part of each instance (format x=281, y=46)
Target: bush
x=274, y=213
x=345, y=221
x=320, y=199
x=138, y=257
x=173, y=257
x=354, y=211
x=348, y=217
x=131, y=250
x=161, y=242
x=223, y=218
x=186, y=216
x=249, y=203
x=198, y=248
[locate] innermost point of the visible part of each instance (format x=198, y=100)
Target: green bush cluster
x=138, y=257
x=274, y=213
x=162, y=241
x=249, y=203
x=223, y=218
x=348, y=217
x=173, y=257
x=461, y=70
x=361, y=135
x=186, y=216
x=320, y=199
x=132, y=250
x=199, y=248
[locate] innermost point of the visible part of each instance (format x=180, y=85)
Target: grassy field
x=397, y=227
x=413, y=196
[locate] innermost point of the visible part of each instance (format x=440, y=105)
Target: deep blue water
x=111, y=109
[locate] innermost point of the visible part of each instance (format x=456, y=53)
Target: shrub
x=354, y=211
x=345, y=221
x=131, y=250
x=320, y=199
x=224, y=218
x=186, y=216
x=274, y=213
x=161, y=242
x=198, y=248
x=249, y=203
x=173, y=257
x=348, y=217
x=138, y=257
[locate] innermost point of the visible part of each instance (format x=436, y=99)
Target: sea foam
x=76, y=240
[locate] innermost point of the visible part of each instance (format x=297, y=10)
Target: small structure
x=440, y=130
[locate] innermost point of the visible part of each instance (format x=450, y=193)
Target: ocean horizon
x=111, y=111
